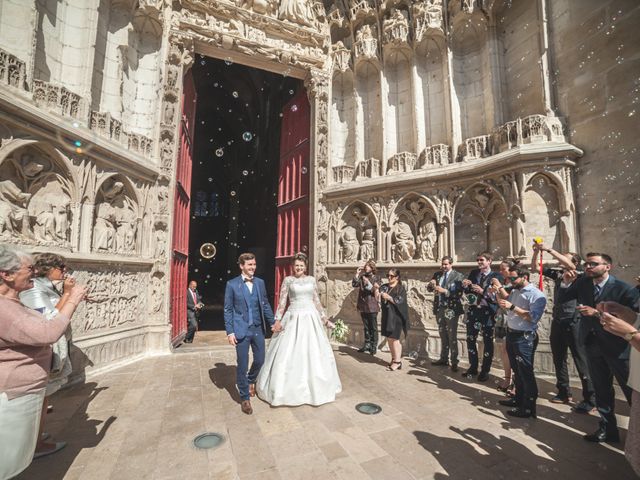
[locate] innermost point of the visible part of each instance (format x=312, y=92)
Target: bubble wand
x=538, y=241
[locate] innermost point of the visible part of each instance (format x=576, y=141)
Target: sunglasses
x=593, y=264
x=391, y=276
x=513, y=278
x=61, y=267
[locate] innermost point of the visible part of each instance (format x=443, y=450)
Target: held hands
x=277, y=327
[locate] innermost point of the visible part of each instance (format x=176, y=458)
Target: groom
x=246, y=309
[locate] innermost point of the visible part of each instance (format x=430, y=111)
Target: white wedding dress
x=299, y=367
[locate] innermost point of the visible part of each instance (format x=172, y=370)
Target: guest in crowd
x=524, y=305
x=395, y=315
x=481, y=315
x=25, y=359
x=46, y=298
x=506, y=386
x=564, y=335
x=607, y=354
x=367, y=283
x=447, y=306
x=194, y=307
x=624, y=322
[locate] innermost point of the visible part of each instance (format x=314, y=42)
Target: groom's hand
x=232, y=339
x=277, y=327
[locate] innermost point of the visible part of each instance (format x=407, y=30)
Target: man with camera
x=481, y=314
x=607, y=354
x=447, y=306
x=368, y=283
x=564, y=335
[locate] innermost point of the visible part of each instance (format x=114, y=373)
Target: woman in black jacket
x=395, y=315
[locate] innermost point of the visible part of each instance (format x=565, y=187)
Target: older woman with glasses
x=395, y=315
x=25, y=359
x=46, y=298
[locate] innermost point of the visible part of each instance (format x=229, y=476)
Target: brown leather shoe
x=252, y=389
x=246, y=407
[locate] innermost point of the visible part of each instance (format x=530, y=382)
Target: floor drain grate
x=208, y=440
x=368, y=408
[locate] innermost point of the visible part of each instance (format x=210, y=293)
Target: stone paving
x=138, y=422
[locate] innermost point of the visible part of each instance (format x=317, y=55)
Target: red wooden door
x=180, y=249
x=293, y=185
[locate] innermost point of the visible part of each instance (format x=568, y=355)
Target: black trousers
x=521, y=348
x=564, y=337
x=603, y=368
x=480, y=319
x=370, y=323
x=192, y=325
x=448, y=328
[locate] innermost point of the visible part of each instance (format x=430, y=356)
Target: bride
x=299, y=367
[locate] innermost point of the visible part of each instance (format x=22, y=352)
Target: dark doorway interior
x=235, y=175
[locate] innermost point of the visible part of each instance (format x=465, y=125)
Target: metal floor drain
x=368, y=408
x=208, y=440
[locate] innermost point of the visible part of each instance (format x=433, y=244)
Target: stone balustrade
x=360, y=8
x=369, y=168
x=58, y=99
x=343, y=173
x=103, y=124
x=402, y=162
x=435, y=155
x=12, y=70
x=475, y=147
x=396, y=33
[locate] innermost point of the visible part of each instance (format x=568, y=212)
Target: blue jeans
x=521, y=348
x=255, y=341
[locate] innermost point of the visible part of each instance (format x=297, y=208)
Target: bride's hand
x=277, y=327
x=329, y=324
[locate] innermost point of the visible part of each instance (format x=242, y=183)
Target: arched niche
x=399, y=103
x=469, y=74
x=413, y=231
x=343, y=120
x=542, y=212
x=369, y=110
x=356, y=238
x=431, y=91
x=481, y=223
x=37, y=195
x=116, y=224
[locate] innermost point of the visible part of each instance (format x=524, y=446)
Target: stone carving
x=169, y=112
x=12, y=70
x=58, y=99
x=427, y=238
x=157, y=292
x=435, y=156
x=343, y=173
x=402, y=162
x=341, y=57
x=349, y=245
x=116, y=223
x=166, y=152
x=35, y=200
x=404, y=242
x=475, y=147
x=297, y=11
x=368, y=246
x=396, y=27
x=118, y=297
x=366, y=45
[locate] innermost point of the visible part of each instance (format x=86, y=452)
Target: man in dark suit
x=194, y=305
x=607, y=354
x=481, y=314
x=447, y=307
x=246, y=313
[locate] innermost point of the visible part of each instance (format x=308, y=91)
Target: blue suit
x=239, y=319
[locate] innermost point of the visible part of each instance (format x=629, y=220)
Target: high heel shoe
x=502, y=388
x=390, y=367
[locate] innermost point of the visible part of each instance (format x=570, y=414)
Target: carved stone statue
x=367, y=249
x=166, y=152
x=126, y=231
x=297, y=11
x=427, y=238
x=169, y=113
x=44, y=228
x=13, y=211
x=364, y=33
x=404, y=244
x=349, y=245
x=104, y=230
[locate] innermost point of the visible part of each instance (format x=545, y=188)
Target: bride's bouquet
x=340, y=331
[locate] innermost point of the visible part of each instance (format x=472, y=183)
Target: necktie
x=195, y=299
x=482, y=277
x=596, y=291
x=247, y=279
x=444, y=279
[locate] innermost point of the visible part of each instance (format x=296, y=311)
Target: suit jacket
x=453, y=286
x=614, y=291
x=236, y=306
x=190, y=304
x=474, y=276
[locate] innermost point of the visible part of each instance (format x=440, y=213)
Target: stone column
x=455, y=132
x=86, y=226
x=545, y=60
x=494, y=54
x=417, y=96
x=318, y=85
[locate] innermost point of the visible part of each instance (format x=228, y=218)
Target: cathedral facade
x=437, y=128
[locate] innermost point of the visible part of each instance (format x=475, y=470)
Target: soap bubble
x=219, y=152
x=291, y=92
x=245, y=173
x=235, y=94
x=304, y=170
x=233, y=193
x=247, y=136
x=294, y=108
x=228, y=61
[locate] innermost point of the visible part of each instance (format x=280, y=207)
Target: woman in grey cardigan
x=48, y=299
